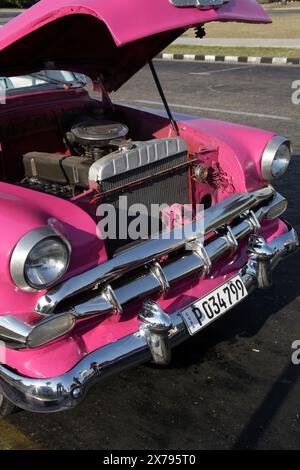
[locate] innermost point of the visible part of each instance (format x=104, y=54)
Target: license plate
x=206, y=310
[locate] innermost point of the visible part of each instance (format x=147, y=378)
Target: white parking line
x=216, y=110
x=218, y=71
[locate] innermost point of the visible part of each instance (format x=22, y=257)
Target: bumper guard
x=158, y=334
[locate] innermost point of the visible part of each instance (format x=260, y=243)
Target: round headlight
x=40, y=259
x=46, y=263
x=276, y=158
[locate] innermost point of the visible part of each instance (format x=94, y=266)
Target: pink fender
x=22, y=210
x=239, y=147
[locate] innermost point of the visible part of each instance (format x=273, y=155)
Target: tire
x=6, y=407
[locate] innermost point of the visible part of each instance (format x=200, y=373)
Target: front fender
x=22, y=210
x=240, y=149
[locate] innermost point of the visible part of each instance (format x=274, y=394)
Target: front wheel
x=7, y=408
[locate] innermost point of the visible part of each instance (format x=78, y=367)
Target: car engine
x=67, y=175
x=102, y=158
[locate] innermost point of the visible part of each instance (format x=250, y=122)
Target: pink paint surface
x=143, y=17
x=86, y=35
x=240, y=148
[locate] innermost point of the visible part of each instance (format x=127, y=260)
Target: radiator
x=154, y=172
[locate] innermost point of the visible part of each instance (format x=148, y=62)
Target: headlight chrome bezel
x=23, y=249
x=269, y=156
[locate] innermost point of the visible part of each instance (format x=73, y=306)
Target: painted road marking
x=13, y=439
x=219, y=70
x=216, y=110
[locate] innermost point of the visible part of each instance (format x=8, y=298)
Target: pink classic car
x=77, y=306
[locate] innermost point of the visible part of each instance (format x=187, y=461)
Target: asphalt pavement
x=5, y=17
x=233, y=385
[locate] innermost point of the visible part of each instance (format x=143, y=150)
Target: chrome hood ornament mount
x=201, y=4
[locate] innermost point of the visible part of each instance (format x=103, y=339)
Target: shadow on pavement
x=247, y=319
x=268, y=409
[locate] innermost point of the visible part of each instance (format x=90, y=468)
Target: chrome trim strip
x=154, y=249
x=199, y=249
x=158, y=272
x=251, y=216
x=111, y=297
x=99, y=305
x=228, y=233
x=13, y=330
x=68, y=390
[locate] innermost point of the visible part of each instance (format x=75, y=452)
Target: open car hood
x=109, y=39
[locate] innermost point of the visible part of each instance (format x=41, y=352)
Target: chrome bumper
x=115, y=292
x=150, y=268
x=153, y=341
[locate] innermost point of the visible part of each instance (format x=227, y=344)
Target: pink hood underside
x=108, y=38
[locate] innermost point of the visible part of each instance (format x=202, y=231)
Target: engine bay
x=101, y=160
x=93, y=156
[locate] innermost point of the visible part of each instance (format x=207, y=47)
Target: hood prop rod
x=163, y=98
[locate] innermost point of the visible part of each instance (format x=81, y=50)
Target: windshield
x=45, y=80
